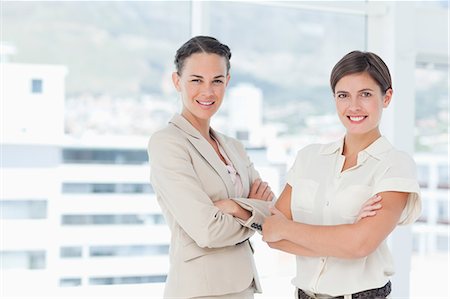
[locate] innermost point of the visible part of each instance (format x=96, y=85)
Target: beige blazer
x=209, y=252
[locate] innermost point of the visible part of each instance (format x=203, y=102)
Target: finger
x=271, y=196
x=374, y=199
x=372, y=207
x=262, y=187
x=366, y=214
x=255, y=186
x=266, y=194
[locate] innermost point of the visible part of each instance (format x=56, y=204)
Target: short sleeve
x=400, y=175
x=291, y=175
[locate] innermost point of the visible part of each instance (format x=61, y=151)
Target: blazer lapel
x=206, y=151
x=238, y=163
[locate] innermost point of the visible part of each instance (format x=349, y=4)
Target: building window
x=131, y=250
x=443, y=177
x=242, y=135
x=127, y=219
x=36, y=86
x=425, y=207
x=70, y=282
x=423, y=175
x=442, y=243
x=91, y=156
x=82, y=188
x=127, y=279
x=70, y=251
x=443, y=216
x=23, y=259
x=23, y=209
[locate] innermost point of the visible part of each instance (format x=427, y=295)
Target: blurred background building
x=84, y=85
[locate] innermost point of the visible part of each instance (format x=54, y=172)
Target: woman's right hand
x=261, y=190
x=370, y=207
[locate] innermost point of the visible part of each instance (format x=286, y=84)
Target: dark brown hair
x=201, y=44
x=359, y=62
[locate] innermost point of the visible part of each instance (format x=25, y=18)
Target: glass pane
x=287, y=69
x=36, y=86
x=23, y=209
x=432, y=108
x=69, y=282
x=70, y=252
x=23, y=259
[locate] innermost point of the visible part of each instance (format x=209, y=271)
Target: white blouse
x=323, y=195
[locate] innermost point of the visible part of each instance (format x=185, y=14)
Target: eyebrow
x=201, y=77
x=364, y=89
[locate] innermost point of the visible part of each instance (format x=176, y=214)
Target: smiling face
x=202, y=85
x=359, y=104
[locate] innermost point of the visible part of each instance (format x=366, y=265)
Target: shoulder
x=165, y=139
x=399, y=159
x=311, y=150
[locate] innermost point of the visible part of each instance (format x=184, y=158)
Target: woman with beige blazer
x=195, y=172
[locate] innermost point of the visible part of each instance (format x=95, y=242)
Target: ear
x=227, y=79
x=176, y=81
x=387, y=97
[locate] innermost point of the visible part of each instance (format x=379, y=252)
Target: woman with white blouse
x=314, y=217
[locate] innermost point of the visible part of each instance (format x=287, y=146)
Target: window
x=425, y=208
x=82, y=188
x=23, y=209
x=289, y=66
x=127, y=279
x=443, y=216
x=36, y=86
x=90, y=156
x=70, y=282
x=242, y=135
x=423, y=175
x=155, y=219
x=70, y=252
x=442, y=243
x=432, y=108
x=32, y=260
x=443, y=177
x=130, y=250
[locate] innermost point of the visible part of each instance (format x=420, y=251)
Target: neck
x=354, y=143
x=202, y=125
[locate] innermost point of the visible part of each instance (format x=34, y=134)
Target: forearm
x=290, y=247
x=343, y=241
x=242, y=213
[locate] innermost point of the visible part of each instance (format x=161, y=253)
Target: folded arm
x=177, y=184
x=345, y=241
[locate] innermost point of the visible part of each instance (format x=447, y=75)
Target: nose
x=354, y=104
x=207, y=89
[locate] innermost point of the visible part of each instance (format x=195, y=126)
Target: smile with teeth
x=356, y=118
x=205, y=103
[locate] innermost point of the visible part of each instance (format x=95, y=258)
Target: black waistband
x=378, y=293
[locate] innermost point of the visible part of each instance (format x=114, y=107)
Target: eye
x=196, y=80
x=366, y=94
x=341, y=96
x=218, y=81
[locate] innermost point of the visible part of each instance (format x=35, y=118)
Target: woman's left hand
x=273, y=225
x=370, y=207
x=261, y=190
